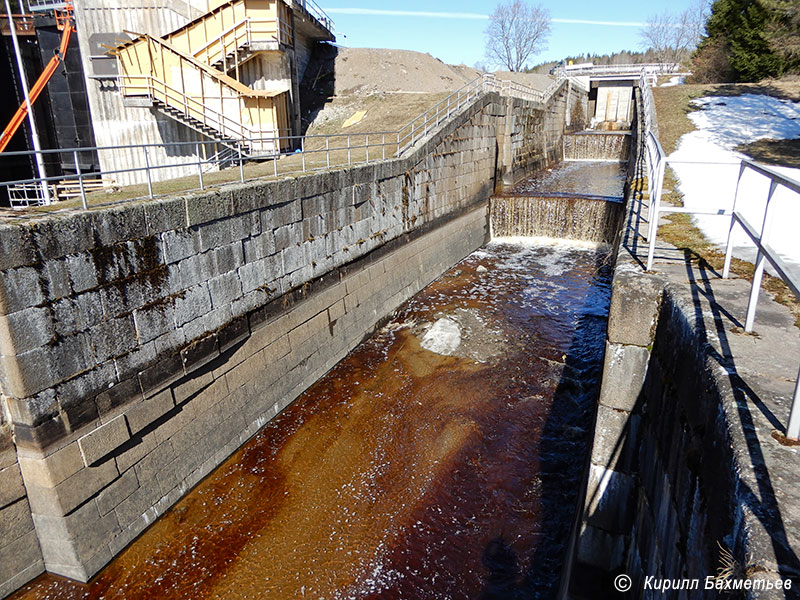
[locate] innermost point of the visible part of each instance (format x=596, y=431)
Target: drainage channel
x=441, y=459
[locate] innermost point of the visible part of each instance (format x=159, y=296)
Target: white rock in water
x=481, y=269
x=443, y=338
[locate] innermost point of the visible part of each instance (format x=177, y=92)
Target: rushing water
x=584, y=179
x=597, y=145
x=405, y=472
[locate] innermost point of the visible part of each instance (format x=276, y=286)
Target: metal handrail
x=656, y=165
x=315, y=11
x=630, y=68
x=377, y=145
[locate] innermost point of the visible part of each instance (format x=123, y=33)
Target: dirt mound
x=537, y=81
x=366, y=71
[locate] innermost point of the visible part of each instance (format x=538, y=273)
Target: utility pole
x=24, y=80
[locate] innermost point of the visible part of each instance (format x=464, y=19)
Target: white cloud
x=405, y=13
x=463, y=15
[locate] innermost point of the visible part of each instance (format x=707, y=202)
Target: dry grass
x=673, y=108
x=384, y=113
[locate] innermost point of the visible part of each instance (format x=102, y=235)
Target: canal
x=441, y=459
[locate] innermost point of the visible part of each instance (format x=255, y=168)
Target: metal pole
x=366, y=143
x=241, y=161
x=147, y=170
x=303, y=152
x=37, y=147
x=758, y=274
x=200, y=166
x=383, y=147
x=348, y=150
x=655, y=202
x=726, y=269
x=328, y=151
x=793, y=427
x=80, y=178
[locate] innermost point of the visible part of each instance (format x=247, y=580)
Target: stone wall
x=531, y=137
x=142, y=344
x=670, y=481
x=20, y=556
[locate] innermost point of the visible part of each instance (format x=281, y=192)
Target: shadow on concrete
x=762, y=501
x=319, y=83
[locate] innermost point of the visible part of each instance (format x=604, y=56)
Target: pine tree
x=740, y=33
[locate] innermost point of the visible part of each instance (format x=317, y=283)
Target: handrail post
x=758, y=274
x=726, y=269
x=328, y=151
x=147, y=170
x=793, y=426
x=80, y=179
x=200, y=166
x=241, y=161
x=383, y=147
x=348, y=151
x=303, y=152
x=366, y=143
x=655, y=202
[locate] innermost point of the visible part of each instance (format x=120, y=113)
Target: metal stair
x=208, y=131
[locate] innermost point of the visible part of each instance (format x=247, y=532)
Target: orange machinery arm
x=36, y=90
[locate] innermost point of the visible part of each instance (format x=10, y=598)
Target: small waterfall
x=596, y=146
x=585, y=218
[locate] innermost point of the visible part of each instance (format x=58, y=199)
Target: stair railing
x=196, y=91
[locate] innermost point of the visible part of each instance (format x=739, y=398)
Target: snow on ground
x=674, y=80
x=722, y=124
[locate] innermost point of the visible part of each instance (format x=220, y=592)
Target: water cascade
x=597, y=146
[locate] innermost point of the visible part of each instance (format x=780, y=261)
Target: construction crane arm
x=36, y=90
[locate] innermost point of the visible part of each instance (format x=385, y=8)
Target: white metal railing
x=314, y=152
x=649, y=68
x=315, y=11
x=656, y=165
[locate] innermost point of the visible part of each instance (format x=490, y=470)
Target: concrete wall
x=669, y=483
x=20, y=556
x=140, y=345
x=114, y=123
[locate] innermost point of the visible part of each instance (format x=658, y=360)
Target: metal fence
x=314, y=152
x=760, y=236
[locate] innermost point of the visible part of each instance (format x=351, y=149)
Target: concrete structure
x=685, y=476
x=142, y=344
x=201, y=68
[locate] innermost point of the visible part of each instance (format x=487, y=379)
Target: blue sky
x=459, y=39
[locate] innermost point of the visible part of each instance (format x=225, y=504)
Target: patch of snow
x=443, y=338
x=674, y=80
x=723, y=124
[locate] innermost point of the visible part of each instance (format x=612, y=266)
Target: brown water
x=405, y=473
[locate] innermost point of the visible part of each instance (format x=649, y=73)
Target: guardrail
x=315, y=11
x=650, y=68
x=315, y=152
x=656, y=166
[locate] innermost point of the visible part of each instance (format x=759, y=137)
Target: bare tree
x=517, y=30
x=672, y=36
